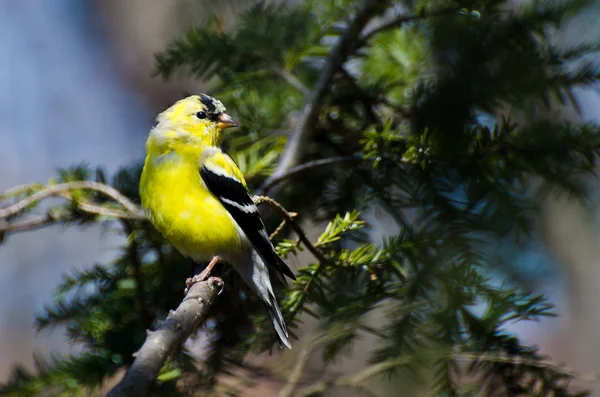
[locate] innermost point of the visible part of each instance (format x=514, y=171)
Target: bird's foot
x=203, y=276
x=200, y=277
x=219, y=282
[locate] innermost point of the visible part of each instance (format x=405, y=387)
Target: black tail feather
x=278, y=322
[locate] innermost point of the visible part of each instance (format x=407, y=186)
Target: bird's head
x=197, y=119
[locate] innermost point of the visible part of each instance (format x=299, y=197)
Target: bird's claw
x=191, y=281
x=219, y=282
x=203, y=276
x=199, y=278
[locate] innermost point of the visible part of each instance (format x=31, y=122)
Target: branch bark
x=40, y=192
x=159, y=345
x=62, y=190
x=289, y=217
x=296, y=143
x=264, y=189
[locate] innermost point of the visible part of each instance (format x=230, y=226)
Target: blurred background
x=76, y=85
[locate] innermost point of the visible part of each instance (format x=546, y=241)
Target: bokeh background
x=77, y=85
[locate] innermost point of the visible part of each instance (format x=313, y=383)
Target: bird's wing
x=225, y=180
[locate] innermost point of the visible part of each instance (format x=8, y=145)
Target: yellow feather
x=173, y=194
x=181, y=206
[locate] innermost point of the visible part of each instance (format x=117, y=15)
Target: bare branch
x=28, y=224
x=296, y=143
x=159, y=345
x=292, y=80
x=51, y=218
x=272, y=182
x=19, y=189
x=289, y=217
x=278, y=230
x=63, y=189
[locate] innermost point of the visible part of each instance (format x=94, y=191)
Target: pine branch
x=296, y=143
x=171, y=334
x=40, y=192
x=62, y=190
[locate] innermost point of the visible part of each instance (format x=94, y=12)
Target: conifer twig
x=348, y=41
x=179, y=325
x=272, y=182
x=40, y=192
x=296, y=143
x=289, y=217
x=63, y=188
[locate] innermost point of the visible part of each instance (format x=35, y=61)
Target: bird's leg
x=206, y=272
x=204, y=275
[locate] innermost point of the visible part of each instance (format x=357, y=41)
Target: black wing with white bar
x=235, y=198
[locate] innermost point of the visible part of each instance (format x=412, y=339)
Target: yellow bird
x=196, y=196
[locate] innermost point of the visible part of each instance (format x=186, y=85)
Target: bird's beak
x=226, y=121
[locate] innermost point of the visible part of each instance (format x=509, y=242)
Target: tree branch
x=51, y=218
x=28, y=224
x=350, y=40
x=272, y=182
x=289, y=78
x=296, y=143
x=62, y=190
x=289, y=217
x=159, y=345
x=39, y=192
x=402, y=19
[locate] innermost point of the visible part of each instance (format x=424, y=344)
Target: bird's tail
x=256, y=275
x=278, y=323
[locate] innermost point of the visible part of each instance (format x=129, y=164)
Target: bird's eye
x=201, y=115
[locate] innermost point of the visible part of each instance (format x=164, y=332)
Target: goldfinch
x=196, y=196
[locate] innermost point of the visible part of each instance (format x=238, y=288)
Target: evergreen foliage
x=421, y=115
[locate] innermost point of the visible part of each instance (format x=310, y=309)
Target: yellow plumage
x=184, y=211
x=177, y=200
x=196, y=196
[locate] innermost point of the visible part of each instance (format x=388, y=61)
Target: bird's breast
x=185, y=212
